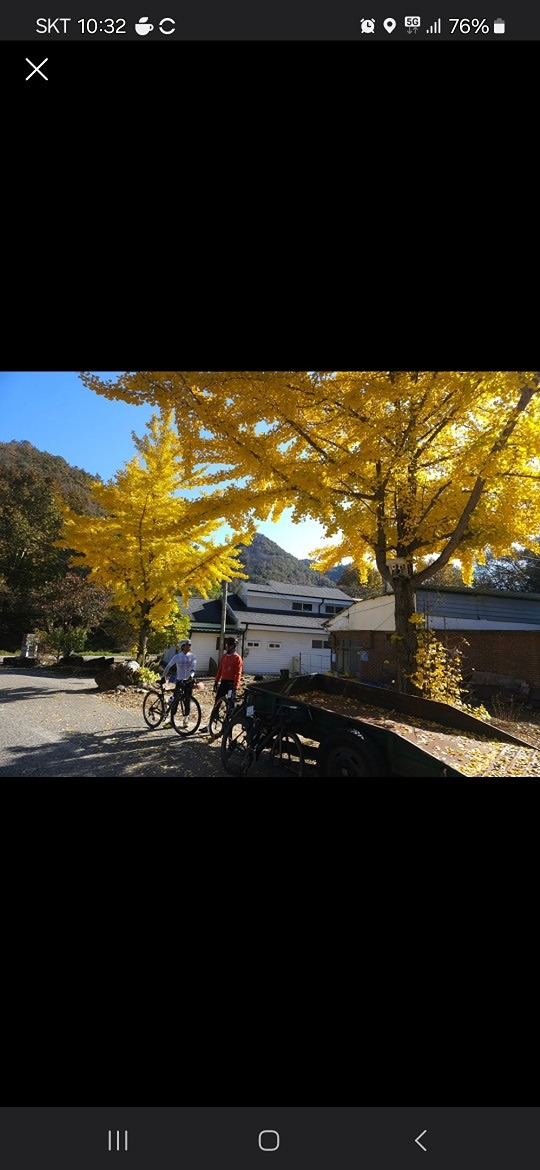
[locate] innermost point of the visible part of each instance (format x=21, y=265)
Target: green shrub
x=147, y=676
x=60, y=642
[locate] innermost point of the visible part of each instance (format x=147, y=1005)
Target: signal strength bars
x=434, y=28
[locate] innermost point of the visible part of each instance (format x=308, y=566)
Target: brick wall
x=501, y=651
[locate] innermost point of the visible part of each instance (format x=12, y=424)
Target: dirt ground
x=133, y=697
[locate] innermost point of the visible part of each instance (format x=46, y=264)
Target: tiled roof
x=208, y=612
x=265, y=617
x=235, y=601
x=289, y=588
x=206, y=615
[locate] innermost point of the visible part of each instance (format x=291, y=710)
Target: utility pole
x=223, y=619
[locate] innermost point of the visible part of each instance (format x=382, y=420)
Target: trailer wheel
x=346, y=753
x=234, y=745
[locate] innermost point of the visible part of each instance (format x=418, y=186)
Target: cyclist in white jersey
x=184, y=664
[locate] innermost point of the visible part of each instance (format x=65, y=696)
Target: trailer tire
x=347, y=753
x=235, y=751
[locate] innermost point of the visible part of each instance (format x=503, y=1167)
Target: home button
x=268, y=1139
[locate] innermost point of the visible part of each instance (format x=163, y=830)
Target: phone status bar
x=243, y=21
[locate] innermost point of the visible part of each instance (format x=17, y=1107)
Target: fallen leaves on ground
x=465, y=751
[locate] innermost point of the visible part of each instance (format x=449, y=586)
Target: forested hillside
x=264, y=561
x=38, y=585
x=333, y=574
x=72, y=483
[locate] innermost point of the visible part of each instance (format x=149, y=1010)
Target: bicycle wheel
x=288, y=753
x=153, y=709
x=217, y=718
x=236, y=754
x=184, y=722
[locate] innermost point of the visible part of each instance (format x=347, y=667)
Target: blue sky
x=57, y=413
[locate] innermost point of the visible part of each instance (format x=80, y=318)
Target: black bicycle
x=184, y=709
x=246, y=735
x=222, y=711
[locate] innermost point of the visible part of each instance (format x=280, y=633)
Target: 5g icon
x=412, y=23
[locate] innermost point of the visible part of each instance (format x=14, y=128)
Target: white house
x=278, y=625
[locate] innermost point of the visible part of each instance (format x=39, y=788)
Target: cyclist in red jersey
x=229, y=670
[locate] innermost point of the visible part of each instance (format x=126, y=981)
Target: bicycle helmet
x=186, y=642
x=231, y=641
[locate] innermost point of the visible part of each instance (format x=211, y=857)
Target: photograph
x=289, y=575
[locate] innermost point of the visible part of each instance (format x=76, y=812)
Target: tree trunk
x=144, y=630
x=141, y=648
x=223, y=619
x=406, y=639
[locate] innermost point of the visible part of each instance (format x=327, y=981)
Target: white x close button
x=37, y=69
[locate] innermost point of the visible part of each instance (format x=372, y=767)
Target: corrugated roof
x=478, y=592
x=523, y=608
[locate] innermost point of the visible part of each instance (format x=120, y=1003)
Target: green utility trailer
x=364, y=730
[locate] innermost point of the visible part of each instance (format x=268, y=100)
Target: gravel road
x=52, y=726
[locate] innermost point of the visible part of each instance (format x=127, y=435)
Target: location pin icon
x=389, y=24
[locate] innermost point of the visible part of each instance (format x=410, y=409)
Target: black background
x=252, y=209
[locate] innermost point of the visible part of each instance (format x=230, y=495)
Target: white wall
x=263, y=660
x=281, y=601
x=203, y=646
x=376, y=613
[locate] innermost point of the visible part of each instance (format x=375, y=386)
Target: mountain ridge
x=264, y=560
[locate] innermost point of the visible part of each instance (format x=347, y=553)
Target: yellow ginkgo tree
x=152, y=544
x=406, y=471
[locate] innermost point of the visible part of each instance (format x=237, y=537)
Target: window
x=304, y=605
x=317, y=644
x=274, y=645
x=334, y=608
x=253, y=645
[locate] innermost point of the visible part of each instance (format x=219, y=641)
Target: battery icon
x=498, y=26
